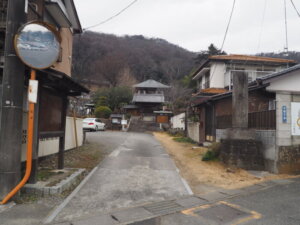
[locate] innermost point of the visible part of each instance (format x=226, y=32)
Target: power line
x=295, y=8
x=228, y=24
x=112, y=17
x=225, y=35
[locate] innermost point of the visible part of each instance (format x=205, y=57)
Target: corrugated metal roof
x=151, y=98
x=151, y=84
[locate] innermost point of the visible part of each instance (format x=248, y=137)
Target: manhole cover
x=164, y=207
x=222, y=213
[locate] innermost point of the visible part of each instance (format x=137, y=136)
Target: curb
x=59, y=208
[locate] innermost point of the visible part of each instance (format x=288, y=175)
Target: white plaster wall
x=70, y=141
x=49, y=146
x=287, y=84
x=178, y=121
x=193, y=131
x=283, y=130
x=217, y=74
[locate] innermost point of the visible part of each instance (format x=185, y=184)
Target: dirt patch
x=87, y=157
x=211, y=174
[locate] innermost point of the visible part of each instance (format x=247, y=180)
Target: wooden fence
x=264, y=120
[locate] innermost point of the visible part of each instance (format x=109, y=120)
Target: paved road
x=137, y=171
x=277, y=204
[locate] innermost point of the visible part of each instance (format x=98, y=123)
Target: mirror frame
x=44, y=24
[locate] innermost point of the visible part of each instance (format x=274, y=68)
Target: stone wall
x=193, y=131
x=246, y=154
x=289, y=159
x=268, y=141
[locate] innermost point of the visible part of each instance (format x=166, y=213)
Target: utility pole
x=11, y=111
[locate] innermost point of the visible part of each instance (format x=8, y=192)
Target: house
x=215, y=74
x=148, y=97
x=274, y=114
x=55, y=85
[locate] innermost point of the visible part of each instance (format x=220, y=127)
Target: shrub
x=102, y=112
x=209, y=156
x=213, y=152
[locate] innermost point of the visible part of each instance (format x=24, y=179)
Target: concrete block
x=132, y=214
x=54, y=191
x=46, y=191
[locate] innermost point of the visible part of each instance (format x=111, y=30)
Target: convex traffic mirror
x=37, y=44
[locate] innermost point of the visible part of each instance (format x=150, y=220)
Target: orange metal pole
x=29, y=148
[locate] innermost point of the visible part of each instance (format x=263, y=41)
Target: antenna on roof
x=286, y=48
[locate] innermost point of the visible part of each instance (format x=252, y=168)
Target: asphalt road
x=138, y=170
x=275, y=205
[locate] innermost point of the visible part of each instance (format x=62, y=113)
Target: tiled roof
x=151, y=84
x=251, y=58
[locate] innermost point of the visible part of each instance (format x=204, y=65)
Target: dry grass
x=212, y=173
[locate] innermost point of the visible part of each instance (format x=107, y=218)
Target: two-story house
x=216, y=72
x=55, y=84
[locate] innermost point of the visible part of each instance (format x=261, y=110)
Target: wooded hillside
x=125, y=60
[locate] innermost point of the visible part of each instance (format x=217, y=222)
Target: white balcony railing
x=252, y=75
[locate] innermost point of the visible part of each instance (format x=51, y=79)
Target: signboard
x=284, y=114
x=124, y=122
x=295, y=118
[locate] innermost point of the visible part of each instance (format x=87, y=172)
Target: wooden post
x=61, y=152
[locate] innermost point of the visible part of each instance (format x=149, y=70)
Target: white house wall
x=178, y=121
x=287, y=84
x=49, y=146
x=217, y=73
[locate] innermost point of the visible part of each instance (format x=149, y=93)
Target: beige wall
x=49, y=146
x=66, y=47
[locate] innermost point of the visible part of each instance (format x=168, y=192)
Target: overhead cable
x=295, y=7
x=112, y=17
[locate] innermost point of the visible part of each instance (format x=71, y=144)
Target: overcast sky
x=194, y=24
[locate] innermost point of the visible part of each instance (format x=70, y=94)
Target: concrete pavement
x=273, y=202
x=138, y=171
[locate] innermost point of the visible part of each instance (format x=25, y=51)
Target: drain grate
x=165, y=207
x=222, y=214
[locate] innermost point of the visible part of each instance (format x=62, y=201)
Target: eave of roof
x=61, y=81
x=251, y=58
x=268, y=78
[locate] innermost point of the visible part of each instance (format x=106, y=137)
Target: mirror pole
x=30, y=128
